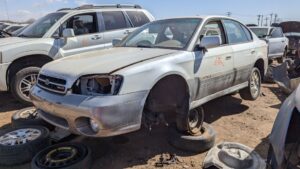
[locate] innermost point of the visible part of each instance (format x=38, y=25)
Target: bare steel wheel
x=195, y=121
x=19, y=145
x=20, y=136
x=65, y=155
x=22, y=82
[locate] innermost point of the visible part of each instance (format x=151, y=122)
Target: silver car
x=158, y=73
x=278, y=43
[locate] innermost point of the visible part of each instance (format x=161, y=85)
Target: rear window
x=114, y=20
x=138, y=18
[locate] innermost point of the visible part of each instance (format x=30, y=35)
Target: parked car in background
x=158, y=73
x=61, y=34
x=284, y=151
x=4, y=25
x=13, y=28
x=291, y=30
x=278, y=43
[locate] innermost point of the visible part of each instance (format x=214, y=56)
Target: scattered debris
x=171, y=159
x=233, y=155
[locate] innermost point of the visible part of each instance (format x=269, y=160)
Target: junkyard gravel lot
x=233, y=119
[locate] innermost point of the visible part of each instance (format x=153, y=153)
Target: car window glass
x=235, y=32
x=214, y=28
x=137, y=18
x=114, y=20
x=277, y=33
x=82, y=24
x=248, y=34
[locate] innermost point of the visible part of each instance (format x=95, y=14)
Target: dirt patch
x=234, y=120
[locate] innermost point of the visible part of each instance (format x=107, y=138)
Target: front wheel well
x=259, y=64
x=167, y=96
x=26, y=61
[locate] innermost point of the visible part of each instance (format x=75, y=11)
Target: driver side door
x=88, y=35
x=216, y=72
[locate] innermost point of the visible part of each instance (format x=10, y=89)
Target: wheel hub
x=255, y=83
x=19, y=137
x=26, y=84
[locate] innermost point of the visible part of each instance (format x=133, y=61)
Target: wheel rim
x=20, y=136
x=29, y=114
x=26, y=84
x=255, y=83
x=60, y=157
x=195, y=121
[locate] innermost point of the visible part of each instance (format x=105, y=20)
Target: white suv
x=60, y=34
x=159, y=72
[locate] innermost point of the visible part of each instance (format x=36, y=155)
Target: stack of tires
x=29, y=140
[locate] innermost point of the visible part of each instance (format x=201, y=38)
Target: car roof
x=102, y=6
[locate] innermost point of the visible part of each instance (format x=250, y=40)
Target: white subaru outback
x=60, y=34
x=158, y=73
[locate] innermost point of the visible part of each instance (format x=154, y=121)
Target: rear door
x=276, y=43
x=88, y=35
x=240, y=39
x=216, y=72
x=116, y=26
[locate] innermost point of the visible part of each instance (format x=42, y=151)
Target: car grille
x=52, y=84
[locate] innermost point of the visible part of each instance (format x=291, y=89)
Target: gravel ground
x=233, y=119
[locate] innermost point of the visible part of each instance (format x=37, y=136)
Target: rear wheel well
x=166, y=96
x=259, y=64
x=26, y=61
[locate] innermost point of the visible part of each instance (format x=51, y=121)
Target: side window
x=235, y=32
x=214, y=28
x=114, y=20
x=137, y=18
x=248, y=34
x=276, y=33
x=82, y=24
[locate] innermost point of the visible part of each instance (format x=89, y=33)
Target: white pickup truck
x=61, y=34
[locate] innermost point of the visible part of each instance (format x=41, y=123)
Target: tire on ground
x=22, y=153
x=27, y=117
x=79, y=158
x=195, y=144
x=246, y=93
x=16, y=80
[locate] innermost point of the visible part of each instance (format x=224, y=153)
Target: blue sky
x=244, y=10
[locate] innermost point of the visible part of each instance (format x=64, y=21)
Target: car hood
x=104, y=61
x=292, y=26
x=13, y=41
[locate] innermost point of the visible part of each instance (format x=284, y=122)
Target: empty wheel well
x=259, y=64
x=167, y=95
x=26, y=61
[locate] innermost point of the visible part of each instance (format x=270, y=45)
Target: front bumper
x=115, y=114
x=3, y=70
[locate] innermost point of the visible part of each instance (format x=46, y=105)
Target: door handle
x=127, y=32
x=252, y=52
x=228, y=57
x=96, y=37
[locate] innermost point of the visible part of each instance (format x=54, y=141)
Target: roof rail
x=108, y=6
x=62, y=9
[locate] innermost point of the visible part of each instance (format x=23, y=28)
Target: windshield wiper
x=144, y=46
x=22, y=36
x=9, y=34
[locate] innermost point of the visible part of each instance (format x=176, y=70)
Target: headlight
x=100, y=85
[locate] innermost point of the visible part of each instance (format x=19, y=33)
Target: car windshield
x=260, y=32
x=41, y=26
x=13, y=28
x=171, y=33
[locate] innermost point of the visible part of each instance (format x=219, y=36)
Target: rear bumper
x=115, y=114
x=3, y=70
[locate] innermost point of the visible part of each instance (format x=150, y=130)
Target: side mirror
x=210, y=41
x=116, y=42
x=68, y=33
